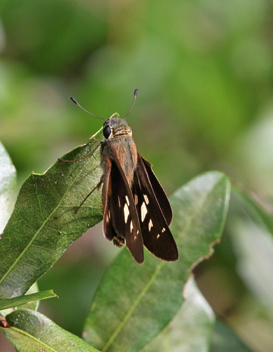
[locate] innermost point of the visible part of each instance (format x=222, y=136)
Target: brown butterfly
x=136, y=210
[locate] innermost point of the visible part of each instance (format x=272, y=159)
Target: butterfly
x=136, y=210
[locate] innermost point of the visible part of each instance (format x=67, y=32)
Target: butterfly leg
x=95, y=139
x=89, y=194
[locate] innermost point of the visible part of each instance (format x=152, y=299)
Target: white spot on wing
x=157, y=236
x=163, y=230
x=143, y=211
x=146, y=199
x=150, y=225
x=108, y=216
x=131, y=226
x=126, y=213
x=127, y=200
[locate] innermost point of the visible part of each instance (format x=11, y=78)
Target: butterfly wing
x=159, y=192
x=108, y=230
x=120, y=217
x=152, y=206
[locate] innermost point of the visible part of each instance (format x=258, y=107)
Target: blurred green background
x=204, y=70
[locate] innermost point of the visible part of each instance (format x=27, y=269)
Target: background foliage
x=204, y=73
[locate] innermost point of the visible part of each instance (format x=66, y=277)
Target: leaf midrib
x=134, y=305
x=40, y=228
x=33, y=338
x=157, y=271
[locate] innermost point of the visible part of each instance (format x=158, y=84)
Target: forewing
x=156, y=234
x=106, y=201
x=159, y=192
x=124, y=216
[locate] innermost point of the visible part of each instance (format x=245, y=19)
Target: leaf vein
x=33, y=338
x=131, y=310
x=39, y=230
x=38, y=198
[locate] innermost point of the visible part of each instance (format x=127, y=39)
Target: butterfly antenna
x=135, y=95
x=75, y=102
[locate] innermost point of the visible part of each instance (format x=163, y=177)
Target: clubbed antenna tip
x=75, y=102
x=135, y=95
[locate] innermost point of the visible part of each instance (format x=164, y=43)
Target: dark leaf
x=44, y=222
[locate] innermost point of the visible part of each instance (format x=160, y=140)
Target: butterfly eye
x=106, y=131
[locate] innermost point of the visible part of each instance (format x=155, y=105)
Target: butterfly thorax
x=119, y=141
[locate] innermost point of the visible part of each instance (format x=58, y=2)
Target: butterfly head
x=115, y=126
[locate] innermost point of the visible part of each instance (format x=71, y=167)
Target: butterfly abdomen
x=126, y=151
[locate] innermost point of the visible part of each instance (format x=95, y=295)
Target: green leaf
x=31, y=331
x=253, y=245
x=30, y=305
x=44, y=222
x=191, y=328
x=6, y=303
x=7, y=187
x=134, y=303
x=258, y=206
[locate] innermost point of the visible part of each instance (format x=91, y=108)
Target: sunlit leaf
x=191, y=328
x=7, y=185
x=135, y=302
x=253, y=246
x=258, y=206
